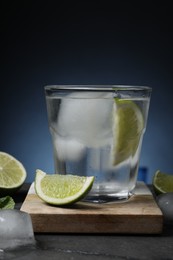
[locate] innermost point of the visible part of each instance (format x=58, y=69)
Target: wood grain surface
x=139, y=215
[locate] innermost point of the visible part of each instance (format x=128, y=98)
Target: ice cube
x=15, y=229
x=69, y=149
x=88, y=119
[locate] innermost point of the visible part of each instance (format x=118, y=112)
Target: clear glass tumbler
x=98, y=131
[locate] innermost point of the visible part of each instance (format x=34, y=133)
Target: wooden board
x=139, y=215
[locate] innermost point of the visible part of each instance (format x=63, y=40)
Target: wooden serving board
x=139, y=215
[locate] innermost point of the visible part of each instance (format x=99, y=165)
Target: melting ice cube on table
x=15, y=229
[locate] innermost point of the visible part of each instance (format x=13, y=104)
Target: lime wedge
x=162, y=182
x=59, y=189
x=12, y=174
x=128, y=124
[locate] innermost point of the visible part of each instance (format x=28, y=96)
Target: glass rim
x=98, y=87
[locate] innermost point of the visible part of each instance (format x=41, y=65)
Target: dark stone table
x=77, y=246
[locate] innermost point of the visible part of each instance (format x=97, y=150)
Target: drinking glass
x=98, y=131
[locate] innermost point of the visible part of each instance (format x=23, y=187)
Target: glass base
x=105, y=198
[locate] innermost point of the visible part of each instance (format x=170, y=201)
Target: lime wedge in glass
x=12, y=174
x=128, y=125
x=59, y=189
x=162, y=182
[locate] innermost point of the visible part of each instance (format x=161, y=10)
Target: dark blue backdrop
x=84, y=42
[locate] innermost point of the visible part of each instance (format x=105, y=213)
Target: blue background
x=85, y=42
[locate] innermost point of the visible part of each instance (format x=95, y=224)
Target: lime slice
x=12, y=174
x=128, y=125
x=59, y=189
x=162, y=182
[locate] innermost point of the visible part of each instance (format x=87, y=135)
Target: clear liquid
x=82, y=137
